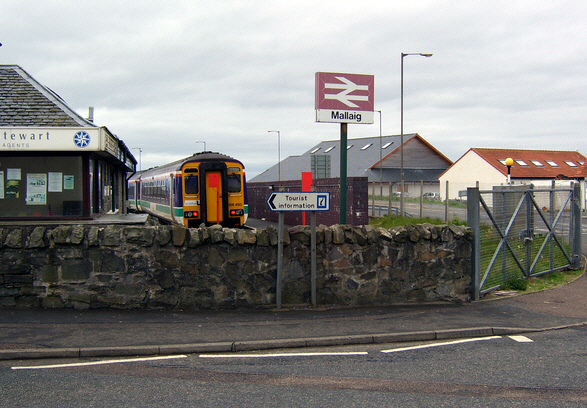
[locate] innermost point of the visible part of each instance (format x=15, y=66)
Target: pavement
x=67, y=333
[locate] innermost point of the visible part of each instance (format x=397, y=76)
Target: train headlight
x=190, y=214
x=236, y=213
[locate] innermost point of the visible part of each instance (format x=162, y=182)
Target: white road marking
x=358, y=353
x=521, y=339
x=447, y=343
x=93, y=363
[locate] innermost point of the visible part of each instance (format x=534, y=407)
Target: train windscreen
x=234, y=183
x=191, y=184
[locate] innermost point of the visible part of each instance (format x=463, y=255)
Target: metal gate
x=521, y=231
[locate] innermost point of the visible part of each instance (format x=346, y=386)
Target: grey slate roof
x=25, y=102
x=363, y=154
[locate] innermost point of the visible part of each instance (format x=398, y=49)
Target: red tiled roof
x=536, y=163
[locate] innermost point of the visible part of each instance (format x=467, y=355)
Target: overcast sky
x=165, y=74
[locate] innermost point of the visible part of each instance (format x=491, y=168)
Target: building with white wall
x=487, y=168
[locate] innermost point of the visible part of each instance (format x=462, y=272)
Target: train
x=206, y=188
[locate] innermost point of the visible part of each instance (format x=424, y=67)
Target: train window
x=191, y=184
x=233, y=183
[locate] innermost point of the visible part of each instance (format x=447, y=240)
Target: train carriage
x=207, y=188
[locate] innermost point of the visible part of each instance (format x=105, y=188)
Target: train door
x=214, y=207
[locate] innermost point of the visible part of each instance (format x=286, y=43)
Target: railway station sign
x=344, y=98
x=285, y=201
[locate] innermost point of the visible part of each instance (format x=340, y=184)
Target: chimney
x=91, y=114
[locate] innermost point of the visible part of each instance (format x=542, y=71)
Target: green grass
x=539, y=283
x=515, y=284
x=552, y=280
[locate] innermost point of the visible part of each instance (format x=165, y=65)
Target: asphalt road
x=547, y=369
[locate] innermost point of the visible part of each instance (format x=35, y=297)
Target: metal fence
x=521, y=231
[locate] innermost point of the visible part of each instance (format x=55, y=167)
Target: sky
x=167, y=76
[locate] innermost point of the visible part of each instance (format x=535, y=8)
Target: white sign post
x=284, y=201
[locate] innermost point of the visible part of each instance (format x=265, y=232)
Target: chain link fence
x=521, y=231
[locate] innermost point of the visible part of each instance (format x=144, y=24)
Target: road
x=547, y=369
x=413, y=210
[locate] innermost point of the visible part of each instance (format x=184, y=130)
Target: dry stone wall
x=170, y=267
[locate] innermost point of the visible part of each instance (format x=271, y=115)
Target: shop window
x=39, y=186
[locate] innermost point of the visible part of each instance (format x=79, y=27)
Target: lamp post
x=278, y=154
x=380, y=158
x=421, y=54
x=140, y=158
x=509, y=163
x=201, y=141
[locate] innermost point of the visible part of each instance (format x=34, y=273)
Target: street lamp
x=421, y=54
x=201, y=141
x=380, y=159
x=278, y=153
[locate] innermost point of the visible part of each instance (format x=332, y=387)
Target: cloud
x=163, y=75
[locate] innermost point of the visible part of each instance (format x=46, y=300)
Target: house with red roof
x=487, y=168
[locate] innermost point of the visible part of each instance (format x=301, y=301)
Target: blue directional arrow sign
x=299, y=201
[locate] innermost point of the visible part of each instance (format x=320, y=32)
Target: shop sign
x=51, y=139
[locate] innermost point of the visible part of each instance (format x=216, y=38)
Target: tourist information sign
x=299, y=201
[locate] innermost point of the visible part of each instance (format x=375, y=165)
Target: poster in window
x=68, y=182
x=13, y=177
x=1, y=184
x=55, y=182
x=12, y=188
x=36, y=189
x=13, y=174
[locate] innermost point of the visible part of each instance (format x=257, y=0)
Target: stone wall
x=169, y=267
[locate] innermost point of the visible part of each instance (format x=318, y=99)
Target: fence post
x=576, y=255
x=446, y=204
x=421, y=198
x=474, y=222
x=389, y=199
x=529, y=233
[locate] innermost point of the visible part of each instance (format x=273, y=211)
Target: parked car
x=399, y=194
x=431, y=196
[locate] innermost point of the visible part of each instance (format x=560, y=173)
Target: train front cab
x=133, y=194
x=214, y=193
